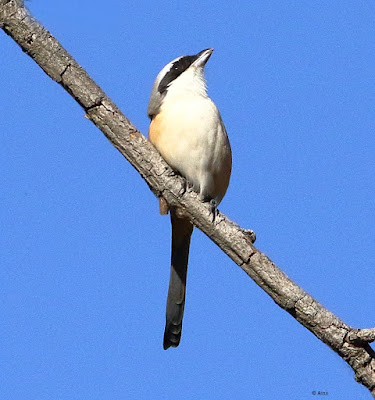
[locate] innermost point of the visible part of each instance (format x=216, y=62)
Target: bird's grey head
x=170, y=73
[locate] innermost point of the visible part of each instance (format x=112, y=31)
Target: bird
x=187, y=129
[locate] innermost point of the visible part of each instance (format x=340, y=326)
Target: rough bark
x=351, y=344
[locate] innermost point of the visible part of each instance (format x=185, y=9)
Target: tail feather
x=181, y=234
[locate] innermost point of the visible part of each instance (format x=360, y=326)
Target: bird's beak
x=202, y=58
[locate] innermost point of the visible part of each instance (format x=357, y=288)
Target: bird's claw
x=213, y=209
x=189, y=186
x=186, y=187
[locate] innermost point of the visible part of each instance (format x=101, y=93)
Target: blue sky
x=85, y=255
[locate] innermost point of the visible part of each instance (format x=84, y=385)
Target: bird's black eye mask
x=178, y=67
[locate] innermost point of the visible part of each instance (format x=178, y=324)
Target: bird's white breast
x=192, y=139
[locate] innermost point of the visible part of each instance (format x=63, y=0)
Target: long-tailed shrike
x=187, y=129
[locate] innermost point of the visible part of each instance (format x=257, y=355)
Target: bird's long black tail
x=181, y=234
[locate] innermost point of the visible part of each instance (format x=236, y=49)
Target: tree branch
x=351, y=344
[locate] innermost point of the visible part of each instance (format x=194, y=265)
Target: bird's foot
x=213, y=209
x=186, y=187
x=189, y=186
